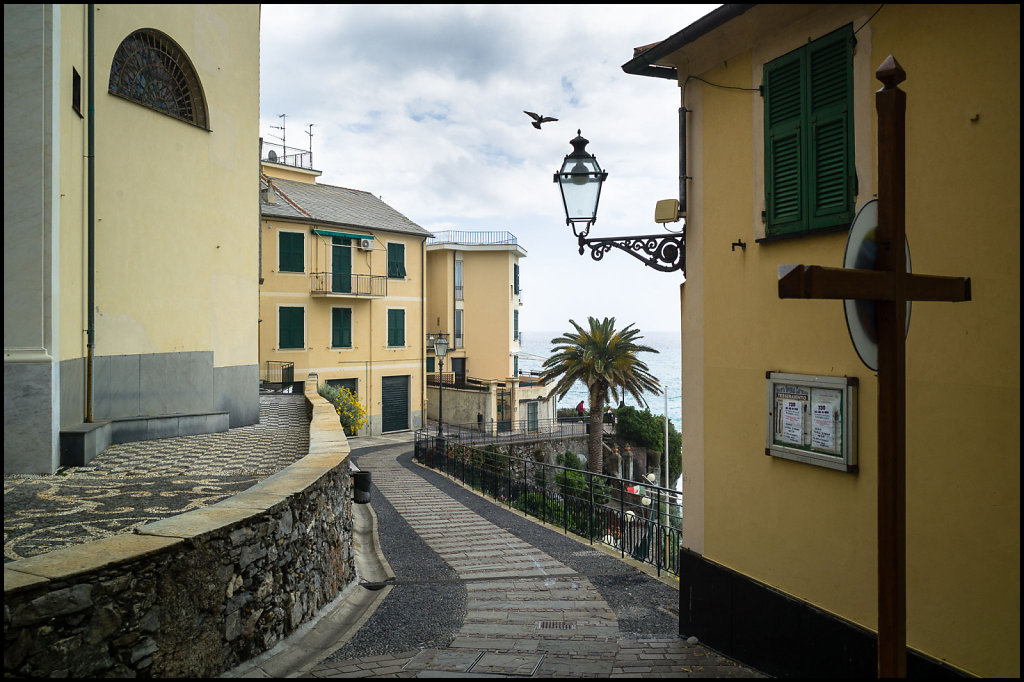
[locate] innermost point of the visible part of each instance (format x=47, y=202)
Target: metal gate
x=394, y=403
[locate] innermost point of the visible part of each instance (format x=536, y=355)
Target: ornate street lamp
x=580, y=179
x=440, y=343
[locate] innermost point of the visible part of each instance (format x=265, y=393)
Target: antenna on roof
x=281, y=128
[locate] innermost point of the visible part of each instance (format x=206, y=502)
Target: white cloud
x=423, y=106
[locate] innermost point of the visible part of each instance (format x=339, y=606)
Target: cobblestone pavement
x=132, y=484
x=483, y=597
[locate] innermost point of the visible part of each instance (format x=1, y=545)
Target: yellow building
x=474, y=297
x=128, y=226
x=780, y=137
x=341, y=294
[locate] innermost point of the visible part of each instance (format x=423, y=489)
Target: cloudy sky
x=423, y=106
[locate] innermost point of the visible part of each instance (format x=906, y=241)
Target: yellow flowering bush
x=350, y=412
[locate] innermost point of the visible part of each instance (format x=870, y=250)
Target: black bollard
x=361, y=487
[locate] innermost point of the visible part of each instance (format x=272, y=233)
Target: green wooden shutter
x=289, y=252
x=341, y=265
x=830, y=103
x=396, y=327
x=784, y=125
x=396, y=260
x=430, y=364
x=341, y=327
x=809, y=164
x=516, y=279
x=290, y=327
x=515, y=325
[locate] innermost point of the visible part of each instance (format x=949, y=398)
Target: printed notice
x=823, y=427
x=793, y=421
x=825, y=414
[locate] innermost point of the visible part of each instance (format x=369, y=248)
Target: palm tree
x=606, y=361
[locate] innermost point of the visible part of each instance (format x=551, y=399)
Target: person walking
x=581, y=411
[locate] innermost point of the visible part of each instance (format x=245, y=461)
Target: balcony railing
x=603, y=509
x=470, y=238
x=328, y=284
x=458, y=292
x=278, y=374
x=288, y=156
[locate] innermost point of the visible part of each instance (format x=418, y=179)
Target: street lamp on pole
x=440, y=343
x=580, y=179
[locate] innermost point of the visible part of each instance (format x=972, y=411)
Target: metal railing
x=471, y=238
x=458, y=292
x=288, y=156
x=348, y=284
x=513, y=431
x=601, y=508
x=279, y=372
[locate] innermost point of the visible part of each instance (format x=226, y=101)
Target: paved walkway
x=132, y=484
x=481, y=591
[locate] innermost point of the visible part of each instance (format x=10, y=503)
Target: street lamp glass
x=440, y=346
x=579, y=180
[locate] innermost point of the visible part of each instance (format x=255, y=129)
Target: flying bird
x=538, y=119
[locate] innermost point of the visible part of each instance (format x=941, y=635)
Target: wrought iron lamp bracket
x=664, y=252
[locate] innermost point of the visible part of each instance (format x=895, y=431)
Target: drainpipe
x=91, y=217
x=683, y=111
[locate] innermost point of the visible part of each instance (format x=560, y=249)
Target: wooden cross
x=892, y=287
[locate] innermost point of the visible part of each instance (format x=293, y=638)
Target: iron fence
x=601, y=508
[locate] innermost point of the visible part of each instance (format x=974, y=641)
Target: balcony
x=471, y=238
x=286, y=156
x=348, y=285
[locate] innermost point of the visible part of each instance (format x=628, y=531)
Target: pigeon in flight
x=538, y=119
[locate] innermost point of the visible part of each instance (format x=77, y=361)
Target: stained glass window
x=151, y=69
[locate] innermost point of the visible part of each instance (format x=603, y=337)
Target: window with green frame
x=290, y=330
x=396, y=327
x=341, y=327
x=289, y=251
x=396, y=260
x=810, y=178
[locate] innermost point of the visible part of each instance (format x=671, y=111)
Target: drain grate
x=556, y=625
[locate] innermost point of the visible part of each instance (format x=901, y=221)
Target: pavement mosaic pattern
x=132, y=484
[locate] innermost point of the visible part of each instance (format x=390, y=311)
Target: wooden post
x=891, y=286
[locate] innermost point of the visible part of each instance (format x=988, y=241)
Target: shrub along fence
x=642, y=521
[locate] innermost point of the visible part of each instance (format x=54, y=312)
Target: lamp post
x=580, y=179
x=440, y=343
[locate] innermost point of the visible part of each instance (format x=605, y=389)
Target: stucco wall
x=810, y=531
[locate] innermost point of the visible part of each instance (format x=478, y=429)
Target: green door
x=394, y=403
x=341, y=265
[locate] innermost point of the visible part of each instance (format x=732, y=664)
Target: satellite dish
x=862, y=254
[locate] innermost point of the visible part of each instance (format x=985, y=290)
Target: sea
x=665, y=365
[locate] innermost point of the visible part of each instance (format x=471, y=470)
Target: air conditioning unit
x=365, y=245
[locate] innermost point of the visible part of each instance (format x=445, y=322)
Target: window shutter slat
x=784, y=178
x=830, y=83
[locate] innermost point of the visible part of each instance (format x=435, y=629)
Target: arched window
x=152, y=70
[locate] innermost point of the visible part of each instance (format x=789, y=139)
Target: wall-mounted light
x=580, y=179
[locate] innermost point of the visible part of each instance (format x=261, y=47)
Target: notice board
x=812, y=419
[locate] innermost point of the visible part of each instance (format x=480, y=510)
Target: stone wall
x=196, y=594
